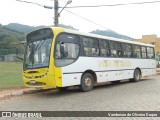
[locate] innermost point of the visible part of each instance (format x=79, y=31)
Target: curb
x=23, y=92
x=8, y=95
x=17, y=93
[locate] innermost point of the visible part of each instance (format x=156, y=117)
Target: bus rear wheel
x=87, y=82
x=136, y=76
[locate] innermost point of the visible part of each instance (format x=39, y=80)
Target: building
x=151, y=39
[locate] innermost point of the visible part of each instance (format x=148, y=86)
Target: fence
x=8, y=55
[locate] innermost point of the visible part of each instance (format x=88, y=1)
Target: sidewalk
x=20, y=91
x=12, y=92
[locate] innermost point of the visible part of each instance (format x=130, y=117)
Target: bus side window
x=144, y=52
x=136, y=51
x=104, y=48
x=150, y=53
x=116, y=49
x=91, y=47
x=127, y=50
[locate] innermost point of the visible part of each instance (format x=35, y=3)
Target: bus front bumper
x=43, y=81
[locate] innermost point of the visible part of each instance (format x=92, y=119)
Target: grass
x=11, y=75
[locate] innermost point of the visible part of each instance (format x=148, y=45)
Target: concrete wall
x=12, y=58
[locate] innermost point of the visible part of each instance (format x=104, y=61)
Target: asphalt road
x=125, y=96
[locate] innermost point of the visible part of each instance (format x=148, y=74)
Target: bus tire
x=136, y=76
x=87, y=82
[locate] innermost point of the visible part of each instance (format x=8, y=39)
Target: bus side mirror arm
x=19, y=57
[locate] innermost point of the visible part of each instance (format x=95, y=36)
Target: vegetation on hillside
x=111, y=33
x=9, y=37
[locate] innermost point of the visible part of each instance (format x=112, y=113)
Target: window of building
x=91, y=48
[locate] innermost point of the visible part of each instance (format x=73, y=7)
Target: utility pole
x=56, y=6
x=56, y=14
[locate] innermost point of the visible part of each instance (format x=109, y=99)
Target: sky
x=130, y=20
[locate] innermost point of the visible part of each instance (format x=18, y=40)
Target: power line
x=48, y=7
x=31, y=3
x=139, y=3
x=86, y=19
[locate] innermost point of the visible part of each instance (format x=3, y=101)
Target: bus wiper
x=33, y=51
x=31, y=55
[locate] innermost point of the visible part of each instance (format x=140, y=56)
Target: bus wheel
x=116, y=82
x=136, y=76
x=87, y=82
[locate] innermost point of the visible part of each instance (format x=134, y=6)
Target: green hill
x=111, y=33
x=8, y=37
x=13, y=33
x=27, y=28
x=22, y=28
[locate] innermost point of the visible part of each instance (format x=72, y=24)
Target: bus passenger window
x=90, y=47
x=67, y=49
x=150, y=53
x=104, y=48
x=136, y=51
x=143, y=49
x=70, y=50
x=114, y=53
x=127, y=50
x=116, y=49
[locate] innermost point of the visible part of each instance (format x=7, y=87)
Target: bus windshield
x=38, y=49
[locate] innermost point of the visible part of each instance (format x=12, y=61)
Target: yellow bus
x=56, y=57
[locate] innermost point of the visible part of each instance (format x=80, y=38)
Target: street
x=125, y=96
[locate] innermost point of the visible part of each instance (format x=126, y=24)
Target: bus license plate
x=32, y=81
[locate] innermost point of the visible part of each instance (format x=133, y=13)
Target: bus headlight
x=40, y=76
x=28, y=77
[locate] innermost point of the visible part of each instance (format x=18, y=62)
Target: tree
x=8, y=42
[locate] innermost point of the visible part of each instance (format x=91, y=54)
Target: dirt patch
x=9, y=91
